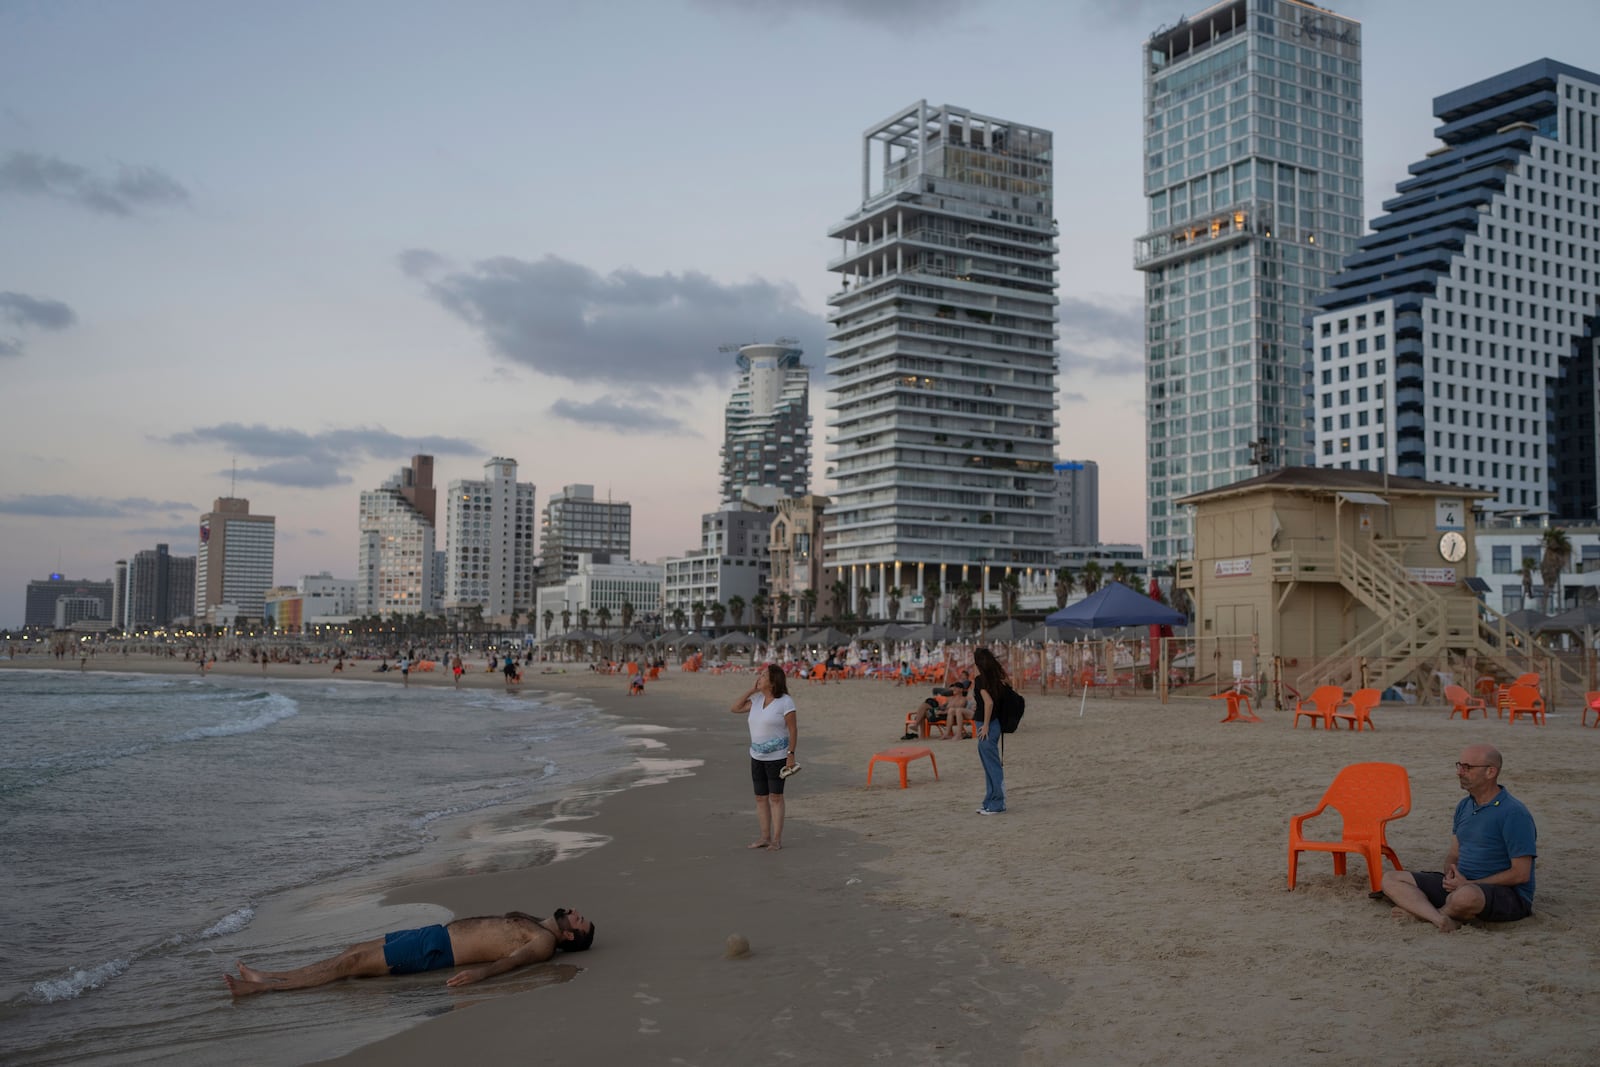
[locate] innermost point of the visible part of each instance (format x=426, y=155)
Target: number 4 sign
x=1448, y=514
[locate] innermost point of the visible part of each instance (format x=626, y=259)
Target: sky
x=274, y=250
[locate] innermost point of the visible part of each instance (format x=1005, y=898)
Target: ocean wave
x=75, y=983
x=274, y=708
x=231, y=923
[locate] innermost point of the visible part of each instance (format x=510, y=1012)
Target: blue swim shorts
x=425, y=949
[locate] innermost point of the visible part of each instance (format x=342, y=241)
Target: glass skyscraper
x=1253, y=178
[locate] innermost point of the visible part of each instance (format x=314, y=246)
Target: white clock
x=1453, y=547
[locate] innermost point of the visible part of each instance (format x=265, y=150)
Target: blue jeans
x=994, y=774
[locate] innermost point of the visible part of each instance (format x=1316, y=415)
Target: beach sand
x=1129, y=908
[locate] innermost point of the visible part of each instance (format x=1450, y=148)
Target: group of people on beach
x=1488, y=871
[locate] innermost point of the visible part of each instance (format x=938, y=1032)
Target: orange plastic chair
x=1235, y=699
x=1320, y=708
x=1525, y=700
x=1591, y=702
x=1367, y=797
x=1464, y=705
x=1361, y=702
x=1485, y=687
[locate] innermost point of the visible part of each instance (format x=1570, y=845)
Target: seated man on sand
x=497, y=943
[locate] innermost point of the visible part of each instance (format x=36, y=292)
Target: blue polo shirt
x=1491, y=835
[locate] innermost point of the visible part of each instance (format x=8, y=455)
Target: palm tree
x=963, y=605
x=1010, y=592
x=549, y=620
x=516, y=613
x=1527, y=579
x=1119, y=572
x=841, y=599
x=893, y=605
x=808, y=606
x=583, y=618
x=603, y=617
x=785, y=602
x=678, y=618
x=863, y=601
x=736, y=609
x=975, y=619
x=1064, y=586
x=566, y=619
x=718, y=612
x=697, y=611
x=627, y=613
x=1557, y=554
x=759, y=605
x=1092, y=576
x=930, y=597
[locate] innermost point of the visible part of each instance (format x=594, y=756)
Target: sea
x=156, y=828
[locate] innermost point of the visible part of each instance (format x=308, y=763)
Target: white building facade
x=1253, y=183
x=942, y=348
x=733, y=559
x=491, y=525
x=1445, y=340
x=395, y=555
x=599, y=583
x=767, y=423
x=1501, y=546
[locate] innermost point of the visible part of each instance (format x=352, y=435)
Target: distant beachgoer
x=510, y=670
x=456, y=668
x=774, y=732
x=405, y=671
x=499, y=943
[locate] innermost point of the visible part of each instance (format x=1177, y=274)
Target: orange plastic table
x=1234, y=700
x=902, y=754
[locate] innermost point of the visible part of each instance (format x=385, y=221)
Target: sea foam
x=75, y=983
x=273, y=708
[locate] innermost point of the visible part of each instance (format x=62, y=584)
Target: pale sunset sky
x=310, y=239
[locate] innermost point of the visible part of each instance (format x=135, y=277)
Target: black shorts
x=1501, y=903
x=767, y=776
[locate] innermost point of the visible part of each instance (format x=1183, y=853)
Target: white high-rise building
x=491, y=524
x=1451, y=338
x=942, y=348
x=767, y=423
x=395, y=571
x=1252, y=125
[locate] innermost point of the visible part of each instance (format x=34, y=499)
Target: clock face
x=1453, y=547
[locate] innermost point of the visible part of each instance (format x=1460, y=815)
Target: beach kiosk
x=1314, y=576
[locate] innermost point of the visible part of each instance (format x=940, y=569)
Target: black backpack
x=1009, y=708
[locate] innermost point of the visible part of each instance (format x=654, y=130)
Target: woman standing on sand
x=774, y=733
x=986, y=689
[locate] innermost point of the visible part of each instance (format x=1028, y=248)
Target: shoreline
x=1129, y=908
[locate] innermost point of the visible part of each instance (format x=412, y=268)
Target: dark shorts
x=424, y=949
x=1501, y=903
x=767, y=776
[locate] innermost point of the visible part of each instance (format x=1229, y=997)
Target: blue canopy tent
x=1114, y=605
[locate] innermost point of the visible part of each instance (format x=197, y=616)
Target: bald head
x=1486, y=755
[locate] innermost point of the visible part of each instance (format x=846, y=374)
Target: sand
x=1129, y=908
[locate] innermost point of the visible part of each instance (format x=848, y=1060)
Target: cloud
x=620, y=416
x=31, y=312
x=125, y=192
x=1074, y=398
x=186, y=534
x=314, y=461
x=61, y=505
x=907, y=15
x=1107, y=339
x=569, y=321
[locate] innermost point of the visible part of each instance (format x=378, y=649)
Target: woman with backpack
x=987, y=687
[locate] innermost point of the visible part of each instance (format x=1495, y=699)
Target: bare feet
x=250, y=974
x=775, y=846
x=241, y=988
x=763, y=843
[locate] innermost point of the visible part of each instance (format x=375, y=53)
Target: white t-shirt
x=769, y=734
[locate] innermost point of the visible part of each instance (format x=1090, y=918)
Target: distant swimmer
x=497, y=943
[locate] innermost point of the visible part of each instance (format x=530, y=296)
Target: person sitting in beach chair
x=497, y=943
x=944, y=710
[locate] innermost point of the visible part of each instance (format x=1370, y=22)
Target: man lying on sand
x=500, y=943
